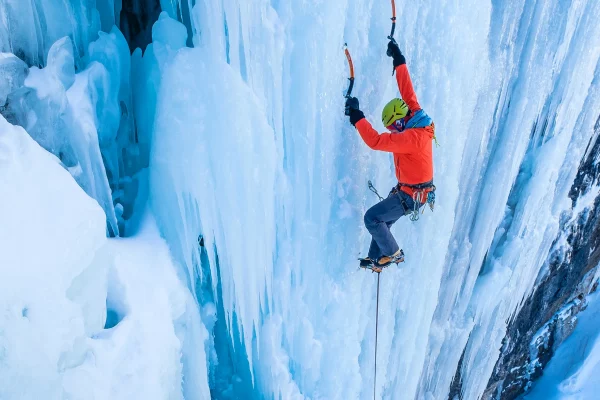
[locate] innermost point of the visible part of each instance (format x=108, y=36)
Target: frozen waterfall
x=230, y=126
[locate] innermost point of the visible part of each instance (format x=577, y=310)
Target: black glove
x=352, y=110
x=394, y=51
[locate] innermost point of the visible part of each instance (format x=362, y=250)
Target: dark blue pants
x=379, y=219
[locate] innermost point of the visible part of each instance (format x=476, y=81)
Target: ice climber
x=410, y=136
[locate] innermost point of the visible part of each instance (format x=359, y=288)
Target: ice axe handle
x=391, y=37
x=350, y=87
x=351, y=67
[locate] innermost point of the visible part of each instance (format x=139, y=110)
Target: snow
x=53, y=265
x=241, y=128
x=140, y=357
x=573, y=372
x=82, y=316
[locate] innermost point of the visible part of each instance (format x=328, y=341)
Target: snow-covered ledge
x=81, y=316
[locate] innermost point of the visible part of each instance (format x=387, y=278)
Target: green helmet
x=393, y=111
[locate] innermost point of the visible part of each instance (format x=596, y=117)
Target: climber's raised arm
x=403, y=77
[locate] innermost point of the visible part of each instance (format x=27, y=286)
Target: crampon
x=379, y=265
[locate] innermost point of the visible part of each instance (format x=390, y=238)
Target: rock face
x=549, y=315
x=136, y=22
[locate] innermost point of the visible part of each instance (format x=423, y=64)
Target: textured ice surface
x=512, y=88
x=85, y=118
x=67, y=114
x=62, y=42
x=247, y=146
x=81, y=316
x=204, y=139
x=12, y=74
x=29, y=28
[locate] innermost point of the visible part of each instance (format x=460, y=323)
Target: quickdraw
x=372, y=189
x=423, y=193
x=351, y=66
x=419, y=200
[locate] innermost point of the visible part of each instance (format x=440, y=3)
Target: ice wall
x=74, y=116
x=117, y=322
x=544, y=121
x=78, y=104
x=512, y=88
x=30, y=28
x=81, y=316
x=209, y=161
x=258, y=181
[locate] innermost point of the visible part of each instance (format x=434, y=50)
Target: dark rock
x=457, y=383
x=136, y=22
x=549, y=315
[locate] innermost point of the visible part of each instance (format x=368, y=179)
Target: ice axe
x=351, y=66
x=391, y=37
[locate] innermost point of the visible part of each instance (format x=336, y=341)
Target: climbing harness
x=391, y=37
x=423, y=193
x=351, y=66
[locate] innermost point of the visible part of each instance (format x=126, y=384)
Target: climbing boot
x=377, y=266
x=396, y=258
x=367, y=263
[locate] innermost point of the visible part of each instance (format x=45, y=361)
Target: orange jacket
x=412, y=148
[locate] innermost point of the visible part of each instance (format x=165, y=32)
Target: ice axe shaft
x=351, y=66
x=391, y=37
